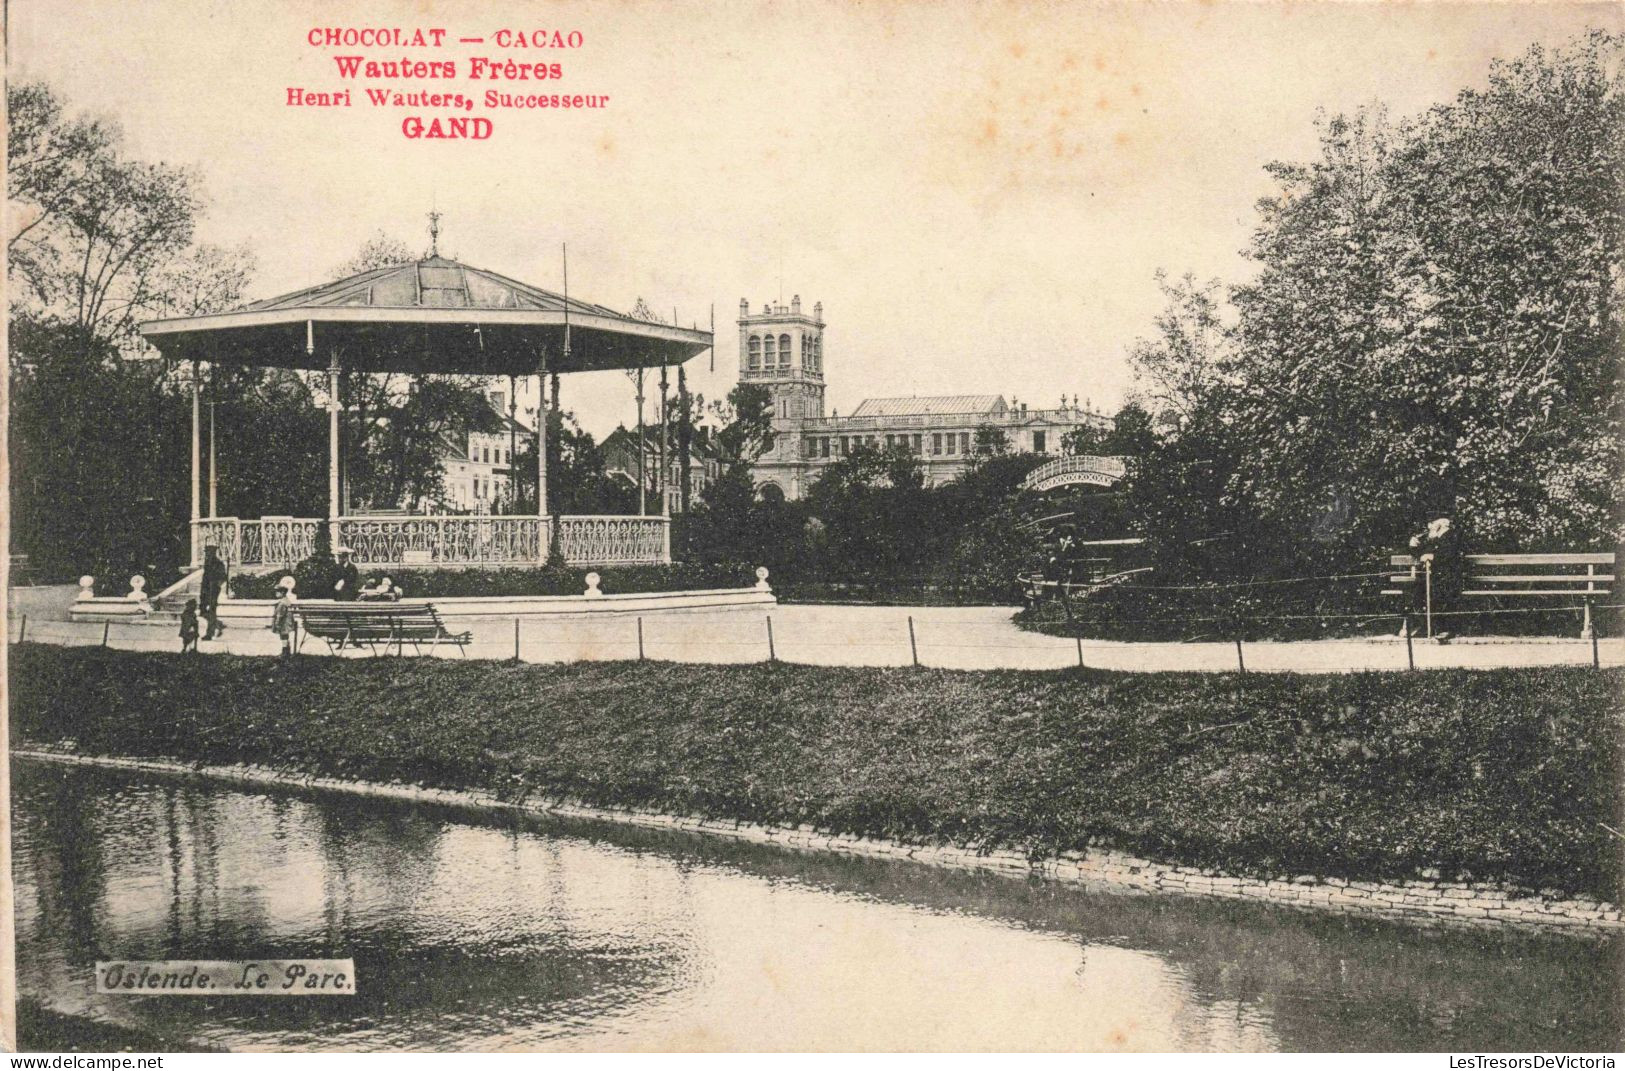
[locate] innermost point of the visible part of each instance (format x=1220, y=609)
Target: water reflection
x=471, y=933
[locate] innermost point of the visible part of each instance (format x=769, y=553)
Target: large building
x=782, y=348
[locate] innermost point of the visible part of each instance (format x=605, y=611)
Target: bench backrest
x=351, y=617
x=1599, y=558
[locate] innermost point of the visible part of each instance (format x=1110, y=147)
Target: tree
x=100, y=231
x=1435, y=325
x=747, y=425
x=50, y=162
x=990, y=441
x=379, y=251
x=1183, y=363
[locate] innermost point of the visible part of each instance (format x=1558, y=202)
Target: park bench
x=377, y=625
x=1516, y=576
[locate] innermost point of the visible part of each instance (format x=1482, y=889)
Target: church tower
x=782, y=349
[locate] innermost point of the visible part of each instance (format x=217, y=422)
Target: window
x=823, y=446
x=784, y=351
x=919, y=444
x=891, y=440
x=950, y=442
x=768, y=351
x=845, y=449
x=755, y=353
x=964, y=442
x=1038, y=442
x=936, y=442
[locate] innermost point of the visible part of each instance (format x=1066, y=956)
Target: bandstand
x=432, y=316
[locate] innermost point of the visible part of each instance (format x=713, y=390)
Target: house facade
x=782, y=348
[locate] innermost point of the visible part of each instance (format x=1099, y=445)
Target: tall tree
x=1435, y=325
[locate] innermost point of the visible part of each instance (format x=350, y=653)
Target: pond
x=476, y=932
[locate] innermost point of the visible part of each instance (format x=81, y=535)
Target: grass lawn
x=1498, y=775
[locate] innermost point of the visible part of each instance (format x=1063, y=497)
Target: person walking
x=214, y=582
x=347, y=584
x=282, y=619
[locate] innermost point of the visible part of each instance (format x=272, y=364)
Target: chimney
x=795, y=304
x=818, y=312
x=744, y=308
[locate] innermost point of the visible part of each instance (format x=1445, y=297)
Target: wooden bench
x=377, y=624
x=1516, y=576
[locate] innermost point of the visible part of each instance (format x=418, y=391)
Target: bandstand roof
x=428, y=316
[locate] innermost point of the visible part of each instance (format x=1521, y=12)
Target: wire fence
x=872, y=637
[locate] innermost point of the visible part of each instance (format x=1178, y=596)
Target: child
x=189, y=627
x=282, y=622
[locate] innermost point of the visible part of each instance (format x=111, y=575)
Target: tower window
x=784, y=351
x=768, y=354
x=755, y=353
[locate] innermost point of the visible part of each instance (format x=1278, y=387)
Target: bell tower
x=782, y=349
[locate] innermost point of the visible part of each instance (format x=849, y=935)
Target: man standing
x=214, y=581
x=347, y=585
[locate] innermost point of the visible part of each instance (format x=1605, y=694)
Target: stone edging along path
x=1432, y=902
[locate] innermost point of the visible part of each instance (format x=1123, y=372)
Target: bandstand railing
x=282, y=541
x=439, y=540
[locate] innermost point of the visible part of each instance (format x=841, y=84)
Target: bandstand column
x=544, y=544
x=214, y=481
x=197, y=464
x=333, y=448
x=665, y=474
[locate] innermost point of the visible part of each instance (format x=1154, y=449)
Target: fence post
x=1587, y=629
x=772, y=656
x=640, y=639
x=913, y=648
x=1079, y=638
x=1410, y=651
x=22, y=632
x=106, y=625
x=1241, y=663
x=1596, y=659
x=1427, y=587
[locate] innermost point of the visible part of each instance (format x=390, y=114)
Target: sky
x=980, y=194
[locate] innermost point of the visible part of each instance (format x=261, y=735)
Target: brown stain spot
x=606, y=145
x=1100, y=62
x=990, y=132
x=1117, y=1038
x=1069, y=62
x=1134, y=89
x=1101, y=104
x=1017, y=49
x=1432, y=54
x=1121, y=139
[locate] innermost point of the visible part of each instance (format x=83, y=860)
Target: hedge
x=1512, y=774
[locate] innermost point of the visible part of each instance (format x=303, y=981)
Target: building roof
x=931, y=405
x=425, y=316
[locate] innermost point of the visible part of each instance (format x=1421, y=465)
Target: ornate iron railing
x=615, y=540
x=267, y=541
x=1086, y=468
x=474, y=540
x=408, y=540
